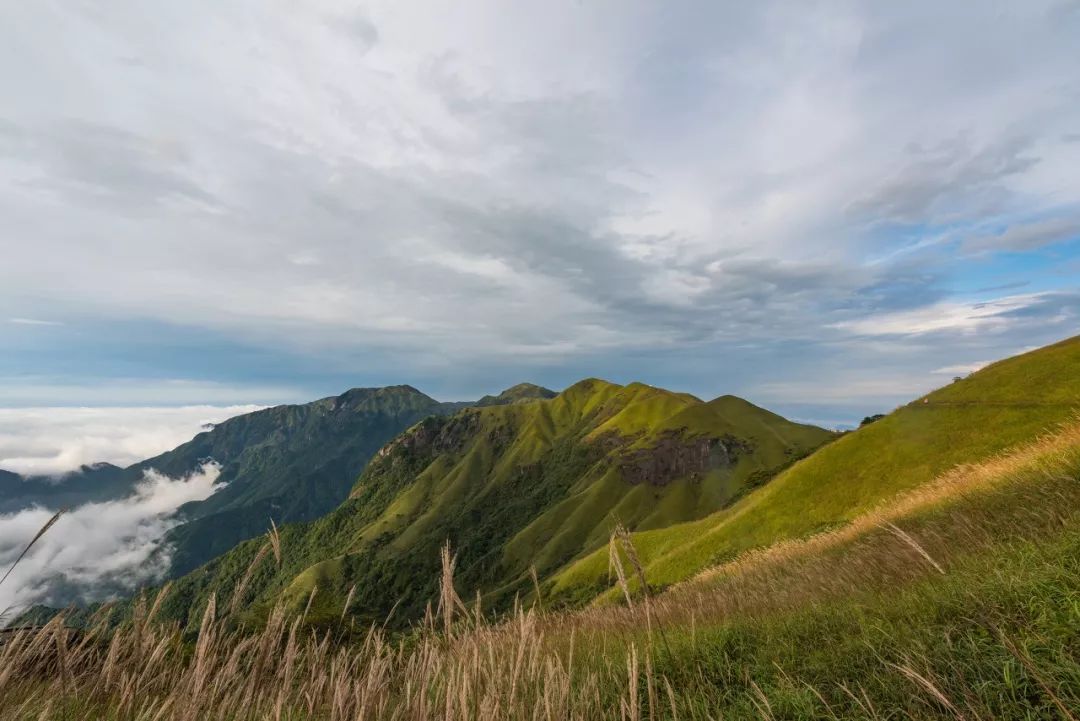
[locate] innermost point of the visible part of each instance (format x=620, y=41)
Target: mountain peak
x=520, y=393
x=391, y=399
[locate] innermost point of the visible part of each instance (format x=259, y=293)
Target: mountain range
x=762, y=568
x=528, y=485
x=1006, y=404
x=520, y=489
x=287, y=463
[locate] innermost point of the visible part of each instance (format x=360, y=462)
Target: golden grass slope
x=1007, y=403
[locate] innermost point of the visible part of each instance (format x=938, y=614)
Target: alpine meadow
x=588, y=360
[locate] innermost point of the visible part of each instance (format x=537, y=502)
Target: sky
x=828, y=208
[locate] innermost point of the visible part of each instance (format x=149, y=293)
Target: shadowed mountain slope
x=287, y=463
x=87, y=484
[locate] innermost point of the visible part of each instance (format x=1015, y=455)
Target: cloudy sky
x=825, y=207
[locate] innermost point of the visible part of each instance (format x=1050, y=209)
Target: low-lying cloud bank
x=55, y=440
x=99, y=549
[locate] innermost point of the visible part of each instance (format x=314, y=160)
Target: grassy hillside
x=522, y=485
x=1005, y=404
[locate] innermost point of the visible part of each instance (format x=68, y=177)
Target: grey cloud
x=943, y=182
x=1004, y=286
x=1058, y=309
x=1026, y=236
x=97, y=163
x=358, y=24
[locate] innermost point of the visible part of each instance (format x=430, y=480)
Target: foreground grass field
x=961, y=599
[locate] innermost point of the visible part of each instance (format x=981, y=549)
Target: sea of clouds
x=51, y=441
x=97, y=550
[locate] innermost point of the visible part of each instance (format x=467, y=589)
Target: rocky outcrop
x=434, y=435
x=675, y=456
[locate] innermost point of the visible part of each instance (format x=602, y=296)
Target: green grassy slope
x=994, y=639
x=1007, y=403
x=516, y=485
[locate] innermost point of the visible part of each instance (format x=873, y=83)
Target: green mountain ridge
x=1007, y=403
x=287, y=463
x=513, y=487
x=520, y=393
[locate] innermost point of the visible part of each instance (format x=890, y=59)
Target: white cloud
x=100, y=548
x=32, y=321
x=54, y=440
x=947, y=317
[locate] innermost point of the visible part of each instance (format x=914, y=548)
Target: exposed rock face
x=434, y=435
x=675, y=456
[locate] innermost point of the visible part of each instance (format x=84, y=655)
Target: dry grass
x=1051, y=456
x=1031, y=491
x=455, y=667
x=589, y=665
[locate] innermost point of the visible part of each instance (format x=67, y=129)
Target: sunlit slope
x=1009, y=402
x=528, y=484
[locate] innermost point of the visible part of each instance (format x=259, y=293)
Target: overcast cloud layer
x=813, y=205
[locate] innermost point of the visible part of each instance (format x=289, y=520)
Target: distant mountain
x=87, y=484
x=288, y=463
x=521, y=393
x=525, y=483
